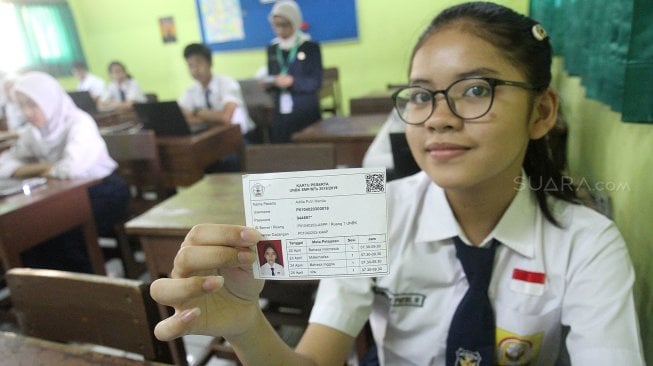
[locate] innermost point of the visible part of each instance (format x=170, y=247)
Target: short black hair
x=78, y=65
x=198, y=49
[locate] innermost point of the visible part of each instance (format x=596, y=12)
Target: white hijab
x=58, y=108
x=288, y=9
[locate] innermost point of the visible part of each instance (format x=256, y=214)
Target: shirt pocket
x=527, y=338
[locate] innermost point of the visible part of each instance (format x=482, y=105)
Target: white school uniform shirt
x=579, y=276
x=131, y=88
x=80, y=152
x=379, y=154
x=92, y=84
x=266, y=270
x=222, y=90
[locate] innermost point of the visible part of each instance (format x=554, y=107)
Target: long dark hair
x=513, y=34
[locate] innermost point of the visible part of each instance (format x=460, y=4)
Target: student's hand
x=32, y=170
x=212, y=288
x=284, y=81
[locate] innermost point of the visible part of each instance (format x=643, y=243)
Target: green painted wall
x=128, y=31
x=615, y=158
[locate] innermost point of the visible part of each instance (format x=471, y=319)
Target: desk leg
x=90, y=235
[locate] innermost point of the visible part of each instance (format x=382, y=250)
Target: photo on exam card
x=270, y=257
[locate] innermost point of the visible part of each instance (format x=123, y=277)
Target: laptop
x=9, y=186
x=166, y=119
x=404, y=163
x=84, y=101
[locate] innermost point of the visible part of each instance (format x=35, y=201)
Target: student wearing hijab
x=295, y=72
x=62, y=141
x=123, y=90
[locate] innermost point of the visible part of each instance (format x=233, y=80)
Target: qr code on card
x=375, y=183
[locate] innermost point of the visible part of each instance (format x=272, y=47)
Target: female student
x=123, y=91
x=487, y=264
x=295, y=69
x=61, y=141
x=271, y=267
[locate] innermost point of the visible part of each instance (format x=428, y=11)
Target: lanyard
x=285, y=64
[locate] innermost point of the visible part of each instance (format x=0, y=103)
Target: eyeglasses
x=467, y=98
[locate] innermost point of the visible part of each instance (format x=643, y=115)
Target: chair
x=151, y=97
x=330, y=97
x=138, y=163
x=260, y=107
x=287, y=307
x=268, y=158
x=74, y=307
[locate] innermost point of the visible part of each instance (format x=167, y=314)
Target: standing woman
x=295, y=67
x=62, y=141
x=123, y=91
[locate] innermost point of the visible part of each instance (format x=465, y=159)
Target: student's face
x=31, y=110
x=270, y=255
x=282, y=27
x=117, y=73
x=79, y=73
x=199, y=67
x=459, y=154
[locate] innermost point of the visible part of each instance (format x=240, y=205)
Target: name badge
x=285, y=103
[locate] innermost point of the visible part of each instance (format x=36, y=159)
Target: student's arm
x=217, y=116
x=32, y=170
x=214, y=293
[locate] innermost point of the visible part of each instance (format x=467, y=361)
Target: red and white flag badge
x=531, y=283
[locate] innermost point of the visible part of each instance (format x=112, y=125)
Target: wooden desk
x=50, y=210
x=352, y=135
x=217, y=198
x=372, y=103
x=18, y=350
x=7, y=139
x=113, y=118
x=184, y=158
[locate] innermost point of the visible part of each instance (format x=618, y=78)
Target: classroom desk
x=7, y=139
x=50, y=210
x=19, y=350
x=115, y=117
x=351, y=135
x=372, y=103
x=184, y=158
x=217, y=198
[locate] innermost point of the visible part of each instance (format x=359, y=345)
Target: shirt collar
x=515, y=229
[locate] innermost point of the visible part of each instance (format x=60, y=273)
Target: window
x=39, y=35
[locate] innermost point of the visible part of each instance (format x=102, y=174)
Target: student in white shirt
x=12, y=114
x=63, y=142
x=271, y=267
x=87, y=81
x=379, y=154
x=478, y=109
x=123, y=90
x=213, y=98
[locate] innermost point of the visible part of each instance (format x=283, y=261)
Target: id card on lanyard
x=285, y=98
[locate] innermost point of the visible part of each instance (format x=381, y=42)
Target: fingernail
x=245, y=257
x=213, y=283
x=249, y=235
x=189, y=315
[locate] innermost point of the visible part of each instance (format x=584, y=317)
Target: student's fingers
x=219, y=234
x=193, y=260
x=172, y=292
x=176, y=325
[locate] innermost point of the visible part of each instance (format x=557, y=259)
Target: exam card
x=318, y=224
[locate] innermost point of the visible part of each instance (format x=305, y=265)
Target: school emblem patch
x=467, y=358
x=517, y=350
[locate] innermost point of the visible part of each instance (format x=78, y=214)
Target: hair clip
x=538, y=32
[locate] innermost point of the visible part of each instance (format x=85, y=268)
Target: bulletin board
x=244, y=24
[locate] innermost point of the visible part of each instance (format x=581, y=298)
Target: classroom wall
x=615, y=158
x=128, y=31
